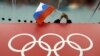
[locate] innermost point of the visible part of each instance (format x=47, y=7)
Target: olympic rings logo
x=49, y=49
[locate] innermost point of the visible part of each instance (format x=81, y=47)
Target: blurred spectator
x=63, y=16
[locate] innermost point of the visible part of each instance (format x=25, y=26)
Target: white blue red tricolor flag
x=42, y=12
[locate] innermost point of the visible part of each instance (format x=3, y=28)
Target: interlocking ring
x=24, y=34
x=49, y=49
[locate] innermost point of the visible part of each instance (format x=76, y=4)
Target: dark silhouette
x=63, y=16
x=9, y=19
x=57, y=21
x=69, y=21
x=25, y=21
x=31, y=21
x=19, y=20
x=3, y=19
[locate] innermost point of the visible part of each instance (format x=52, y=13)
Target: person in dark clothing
x=63, y=16
x=57, y=21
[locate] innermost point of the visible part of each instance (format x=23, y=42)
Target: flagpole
x=13, y=8
x=59, y=4
x=96, y=9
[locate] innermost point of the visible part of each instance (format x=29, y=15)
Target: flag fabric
x=42, y=12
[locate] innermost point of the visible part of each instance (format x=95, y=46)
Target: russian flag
x=42, y=12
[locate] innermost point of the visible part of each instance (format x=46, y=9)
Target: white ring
x=16, y=50
x=49, y=49
x=25, y=46
x=57, y=44
x=40, y=39
x=85, y=49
